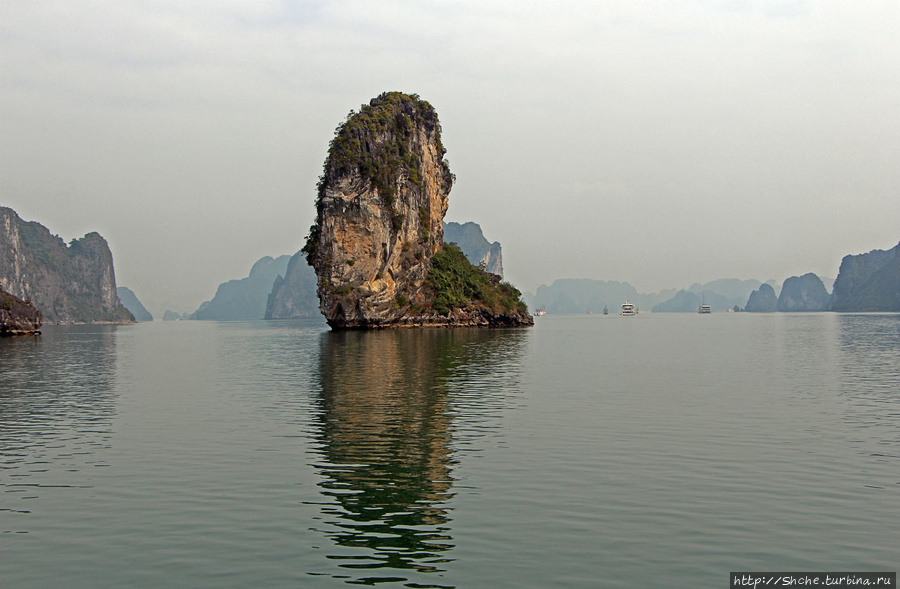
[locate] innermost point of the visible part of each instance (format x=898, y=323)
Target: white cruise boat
x=704, y=308
x=628, y=310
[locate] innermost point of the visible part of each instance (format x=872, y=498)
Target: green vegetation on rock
x=457, y=284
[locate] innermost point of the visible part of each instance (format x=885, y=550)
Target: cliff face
x=244, y=299
x=67, y=284
x=762, y=300
x=294, y=296
x=18, y=317
x=804, y=293
x=380, y=208
x=472, y=242
x=869, y=282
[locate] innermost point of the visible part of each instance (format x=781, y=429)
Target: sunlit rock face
x=380, y=207
x=68, y=284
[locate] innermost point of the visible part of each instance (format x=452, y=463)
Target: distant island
x=377, y=244
x=67, y=284
x=133, y=304
x=867, y=282
x=246, y=298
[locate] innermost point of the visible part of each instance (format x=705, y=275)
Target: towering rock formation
x=67, y=284
x=472, y=242
x=762, y=300
x=869, y=282
x=804, y=293
x=380, y=206
x=294, y=295
x=133, y=304
x=18, y=317
x=245, y=299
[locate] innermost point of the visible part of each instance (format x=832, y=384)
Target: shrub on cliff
x=457, y=283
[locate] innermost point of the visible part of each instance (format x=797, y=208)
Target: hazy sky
x=659, y=143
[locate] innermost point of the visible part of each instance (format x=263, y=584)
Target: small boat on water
x=605, y=310
x=628, y=310
x=704, y=309
x=540, y=312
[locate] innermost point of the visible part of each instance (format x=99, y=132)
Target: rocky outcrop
x=380, y=207
x=133, y=304
x=68, y=284
x=869, y=282
x=294, y=295
x=471, y=241
x=18, y=317
x=245, y=299
x=762, y=300
x=804, y=293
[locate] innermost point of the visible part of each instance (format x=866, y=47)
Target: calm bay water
x=594, y=451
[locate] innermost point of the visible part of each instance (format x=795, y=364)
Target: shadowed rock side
x=471, y=240
x=804, y=293
x=68, y=284
x=294, y=295
x=244, y=299
x=763, y=300
x=18, y=317
x=133, y=304
x=380, y=207
x=869, y=282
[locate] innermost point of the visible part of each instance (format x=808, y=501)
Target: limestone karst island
x=377, y=243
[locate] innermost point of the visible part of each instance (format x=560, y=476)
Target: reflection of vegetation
x=457, y=283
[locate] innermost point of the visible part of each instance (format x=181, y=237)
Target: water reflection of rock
x=386, y=444
x=56, y=411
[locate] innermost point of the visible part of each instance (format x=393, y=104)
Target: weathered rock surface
x=762, y=300
x=380, y=208
x=244, y=299
x=133, y=304
x=869, y=282
x=471, y=240
x=18, y=317
x=804, y=293
x=68, y=284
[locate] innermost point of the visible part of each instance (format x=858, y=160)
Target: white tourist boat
x=704, y=307
x=628, y=309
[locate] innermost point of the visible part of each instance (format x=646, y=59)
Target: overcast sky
x=659, y=143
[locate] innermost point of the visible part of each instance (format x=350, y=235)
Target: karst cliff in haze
x=377, y=244
x=68, y=284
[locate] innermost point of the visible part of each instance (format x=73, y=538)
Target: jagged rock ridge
x=380, y=207
x=68, y=284
x=471, y=240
